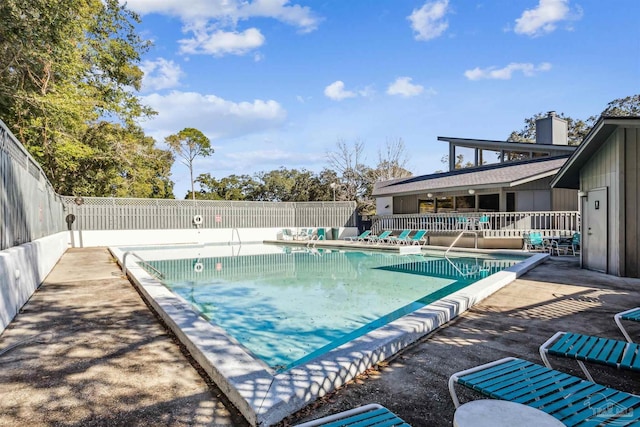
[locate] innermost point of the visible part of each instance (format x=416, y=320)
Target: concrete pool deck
x=98, y=355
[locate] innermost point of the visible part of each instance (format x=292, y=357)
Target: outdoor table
x=501, y=413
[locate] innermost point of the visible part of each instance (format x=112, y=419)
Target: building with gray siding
x=518, y=182
x=606, y=171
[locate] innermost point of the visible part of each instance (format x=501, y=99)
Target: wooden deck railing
x=494, y=224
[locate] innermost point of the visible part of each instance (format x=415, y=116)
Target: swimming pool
x=287, y=308
x=277, y=327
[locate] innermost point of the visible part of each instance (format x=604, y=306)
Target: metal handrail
x=458, y=238
x=157, y=272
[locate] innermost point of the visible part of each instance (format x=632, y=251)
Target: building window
x=427, y=206
x=489, y=202
x=444, y=204
x=465, y=203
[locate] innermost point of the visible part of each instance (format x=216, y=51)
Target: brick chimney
x=552, y=130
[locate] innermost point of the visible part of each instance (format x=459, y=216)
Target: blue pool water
x=291, y=306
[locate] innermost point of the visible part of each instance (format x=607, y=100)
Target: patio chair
x=400, y=238
x=566, y=245
x=533, y=241
x=367, y=415
x=361, y=238
x=587, y=348
x=287, y=234
x=380, y=238
x=574, y=401
x=304, y=234
x=463, y=223
x=484, y=223
x=631, y=315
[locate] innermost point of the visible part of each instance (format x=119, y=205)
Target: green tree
x=188, y=144
x=324, y=185
x=65, y=66
x=284, y=185
x=232, y=187
x=576, y=129
x=118, y=162
x=628, y=106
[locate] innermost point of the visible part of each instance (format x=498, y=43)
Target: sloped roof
x=569, y=175
x=494, y=175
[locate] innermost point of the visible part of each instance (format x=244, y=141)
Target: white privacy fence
x=494, y=224
x=29, y=207
x=100, y=213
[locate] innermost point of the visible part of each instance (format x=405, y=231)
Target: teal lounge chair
x=399, y=238
x=587, y=348
x=361, y=238
x=379, y=238
x=631, y=315
x=572, y=400
x=418, y=238
x=320, y=235
x=363, y=416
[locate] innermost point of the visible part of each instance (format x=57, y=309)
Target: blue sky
x=277, y=83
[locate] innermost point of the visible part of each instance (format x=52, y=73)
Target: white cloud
x=544, y=18
x=428, y=22
x=220, y=43
x=229, y=11
x=505, y=73
x=214, y=22
x=214, y=116
x=403, y=87
x=160, y=74
x=337, y=92
x=299, y=16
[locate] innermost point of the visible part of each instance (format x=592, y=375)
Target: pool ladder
x=235, y=232
x=155, y=271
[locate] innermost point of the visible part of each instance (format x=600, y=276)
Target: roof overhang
x=440, y=190
x=459, y=188
x=492, y=145
x=533, y=178
x=569, y=174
